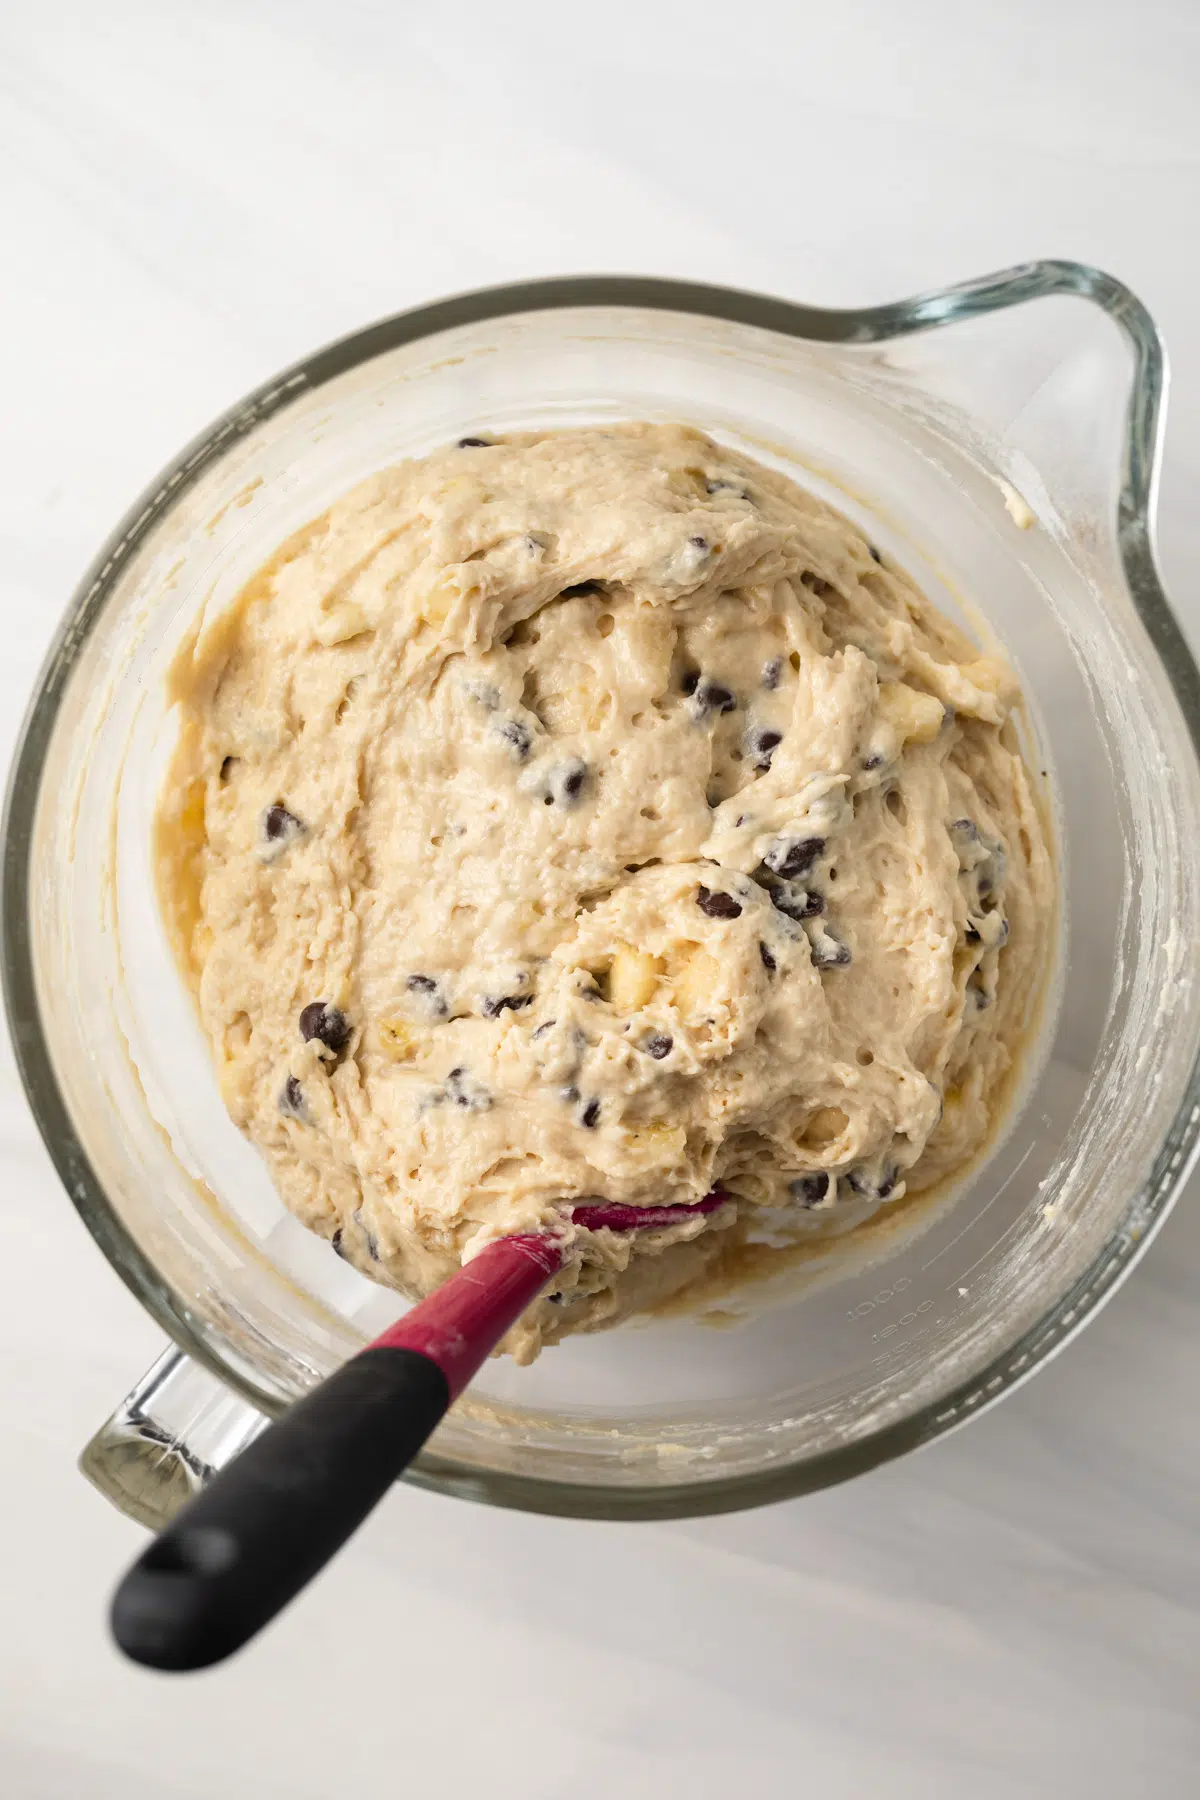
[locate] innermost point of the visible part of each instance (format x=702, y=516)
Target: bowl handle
x=176, y=1428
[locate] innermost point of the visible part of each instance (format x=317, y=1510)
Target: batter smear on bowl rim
x=595, y=816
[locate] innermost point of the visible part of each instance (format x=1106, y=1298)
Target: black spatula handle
x=249, y=1541
x=262, y=1528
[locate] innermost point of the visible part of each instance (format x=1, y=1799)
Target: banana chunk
x=914, y=717
x=696, y=978
x=632, y=978
x=399, y=1039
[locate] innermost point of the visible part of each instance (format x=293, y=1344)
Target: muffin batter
x=596, y=814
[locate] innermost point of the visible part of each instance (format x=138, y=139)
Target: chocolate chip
x=461, y=1089
x=870, y=1185
x=716, y=485
x=227, y=767
x=690, y=682
x=1005, y=928
x=790, y=857
x=768, y=961
x=658, y=1045
x=716, y=905
x=336, y=1243
x=771, y=674
x=580, y=589
x=591, y=1114
x=518, y=735
x=291, y=1101
x=811, y=1190
x=429, y=990
x=475, y=443
x=796, y=903
x=828, y=952
x=569, y=1094
x=372, y=1242
x=327, y=1024
x=699, y=543
x=874, y=554
x=761, y=743
x=972, y=936
x=712, y=697
x=543, y=1028
x=874, y=761
x=280, y=826
x=567, y=782
x=491, y=1008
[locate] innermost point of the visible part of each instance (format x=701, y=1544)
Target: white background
x=192, y=196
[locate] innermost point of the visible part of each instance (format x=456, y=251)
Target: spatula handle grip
x=261, y=1530
x=263, y=1527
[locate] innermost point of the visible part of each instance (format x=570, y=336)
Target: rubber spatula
x=271, y=1519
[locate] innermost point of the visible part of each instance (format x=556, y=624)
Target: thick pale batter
x=596, y=814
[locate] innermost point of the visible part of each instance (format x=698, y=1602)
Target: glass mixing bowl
x=999, y=440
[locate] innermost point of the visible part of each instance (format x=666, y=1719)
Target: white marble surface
x=190, y=197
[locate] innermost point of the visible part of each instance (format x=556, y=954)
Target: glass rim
x=1140, y=462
